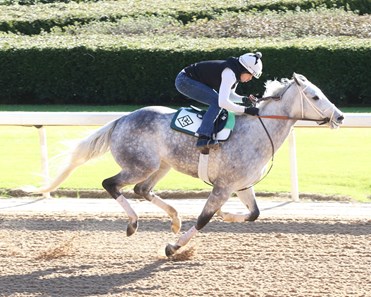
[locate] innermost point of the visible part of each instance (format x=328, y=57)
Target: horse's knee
x=138, y=190
x=253, y=215
x=142, y=191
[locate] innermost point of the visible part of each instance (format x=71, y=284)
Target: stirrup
x=206, y=142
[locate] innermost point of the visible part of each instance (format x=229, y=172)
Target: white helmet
x=252, y=63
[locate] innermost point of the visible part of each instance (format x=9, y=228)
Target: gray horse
x=145, y=147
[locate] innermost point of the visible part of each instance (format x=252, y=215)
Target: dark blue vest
x=210, y=72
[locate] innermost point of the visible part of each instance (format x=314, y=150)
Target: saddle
x=189, y=119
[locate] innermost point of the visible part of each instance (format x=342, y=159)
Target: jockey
x=214, y=83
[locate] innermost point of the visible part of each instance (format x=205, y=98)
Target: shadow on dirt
x=76, y=281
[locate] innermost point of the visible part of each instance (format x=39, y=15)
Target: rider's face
x=245, y=77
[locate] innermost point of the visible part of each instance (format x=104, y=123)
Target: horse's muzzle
x=337, y=120
x=340, y=119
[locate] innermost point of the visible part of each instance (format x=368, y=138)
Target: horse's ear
x=296, y=79
x=300, y=79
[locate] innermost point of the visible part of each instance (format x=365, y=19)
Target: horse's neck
x=277, y=128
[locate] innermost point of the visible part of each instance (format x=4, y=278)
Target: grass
x=329, y=162
x=185, y=18
x=293, y=24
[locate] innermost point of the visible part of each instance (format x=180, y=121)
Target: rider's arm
x=228, y=79
x=234, y=96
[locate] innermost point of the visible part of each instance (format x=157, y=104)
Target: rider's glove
x=249, y=100
x=252, y=111
x=246, y=101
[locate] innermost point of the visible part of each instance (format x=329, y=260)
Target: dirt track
x=89, y=255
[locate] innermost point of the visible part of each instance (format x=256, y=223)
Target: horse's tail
x=93, y=146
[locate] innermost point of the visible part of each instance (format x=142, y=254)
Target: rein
x=270, y=167
x=278, y=117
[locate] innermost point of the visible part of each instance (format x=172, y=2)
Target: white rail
x=41, y=119
x=23, y=118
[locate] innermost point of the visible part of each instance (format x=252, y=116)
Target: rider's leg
x=204, y=94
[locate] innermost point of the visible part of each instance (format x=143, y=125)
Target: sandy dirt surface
x=89, y=255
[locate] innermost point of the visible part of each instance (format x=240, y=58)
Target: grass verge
x=329, y=162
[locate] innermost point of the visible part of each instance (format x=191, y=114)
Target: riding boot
x=206, y=142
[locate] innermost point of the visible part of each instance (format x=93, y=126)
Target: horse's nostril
x=340, y=118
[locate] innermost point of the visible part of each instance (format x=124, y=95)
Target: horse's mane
x=275, y=87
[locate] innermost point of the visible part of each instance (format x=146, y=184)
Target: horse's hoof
x=253, y=215
x=132, y=228
x=171, y=249
x=176, y=225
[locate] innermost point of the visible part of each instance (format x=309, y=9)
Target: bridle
x=303, y=96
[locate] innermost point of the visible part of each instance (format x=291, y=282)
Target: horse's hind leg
x=144, y=189
x=248, y=198
x=216, y=199
x=113, y=186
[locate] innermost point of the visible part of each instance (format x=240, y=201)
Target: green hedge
x=363, y=6
x=113, y=70
x=43, y=17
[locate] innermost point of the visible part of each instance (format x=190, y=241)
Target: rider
x=214, y=83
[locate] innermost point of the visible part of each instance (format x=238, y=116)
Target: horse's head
x=315, y=105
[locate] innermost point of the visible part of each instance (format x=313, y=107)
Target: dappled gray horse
x=145, y=147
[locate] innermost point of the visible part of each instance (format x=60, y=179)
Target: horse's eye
x=316, y=98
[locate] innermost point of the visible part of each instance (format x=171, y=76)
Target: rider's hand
x=249, y=101
x=246, y=101
x=252, y=111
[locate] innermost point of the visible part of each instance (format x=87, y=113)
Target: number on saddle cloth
x=188, y=120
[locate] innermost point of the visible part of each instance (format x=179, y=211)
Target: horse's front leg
x=176, y=222
x=247, y=197
x=216, y=199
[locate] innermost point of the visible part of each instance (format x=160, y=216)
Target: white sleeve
x=234, y=96
x=228, y=79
